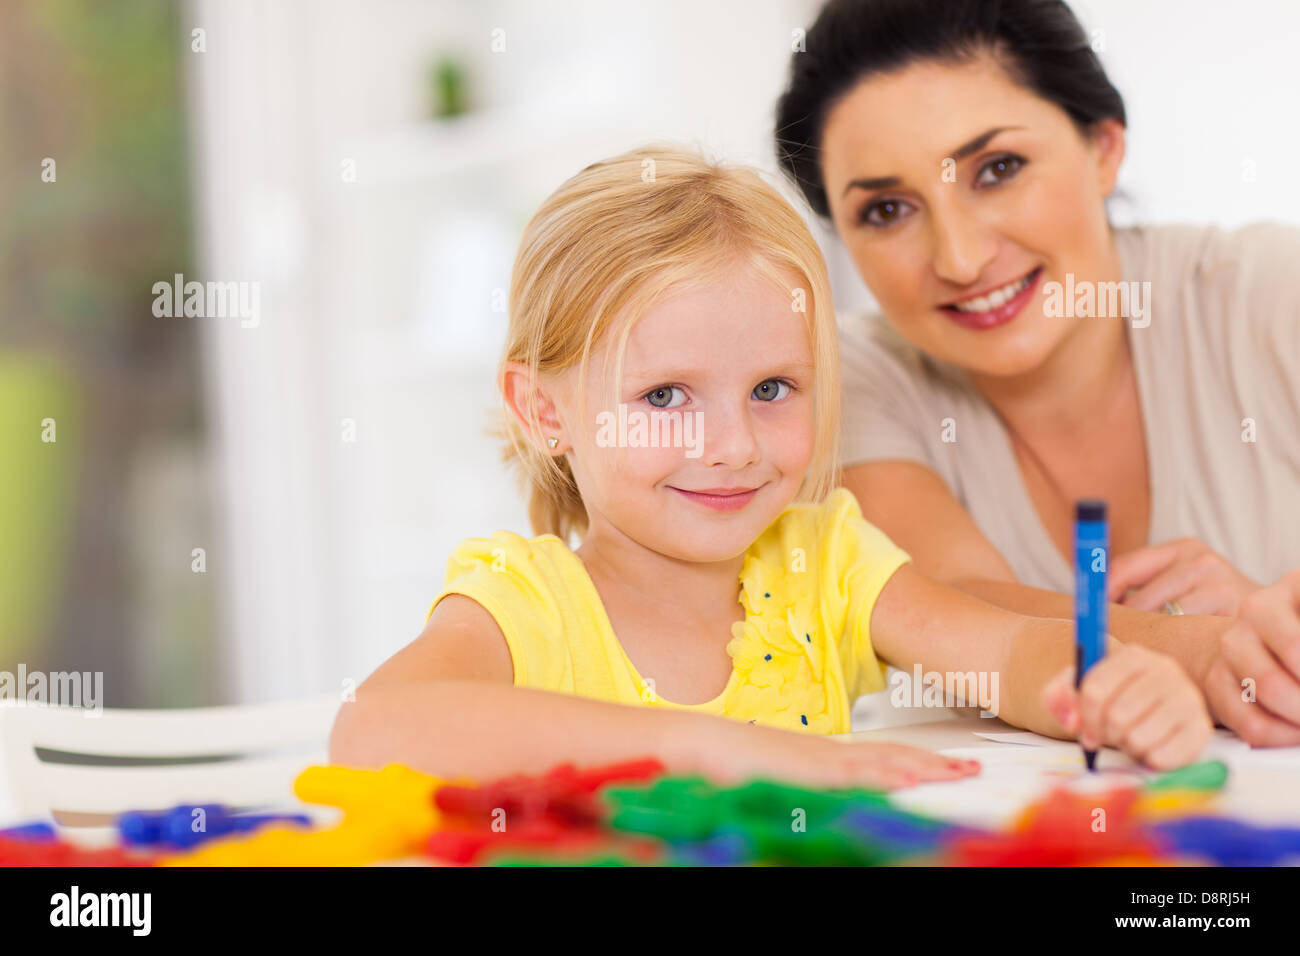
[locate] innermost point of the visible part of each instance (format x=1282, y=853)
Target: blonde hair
x=632, y=230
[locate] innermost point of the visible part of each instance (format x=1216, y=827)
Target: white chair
x=253, y=753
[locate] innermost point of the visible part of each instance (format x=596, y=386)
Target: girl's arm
x=446, y=705
x=1135, y=699
x=913, y=506
x=917, y=621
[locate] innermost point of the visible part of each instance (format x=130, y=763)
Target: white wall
x=377, y=293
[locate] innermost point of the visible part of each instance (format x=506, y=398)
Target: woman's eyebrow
x=961, y=152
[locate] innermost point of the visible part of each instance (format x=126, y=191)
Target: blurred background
x=240, y=507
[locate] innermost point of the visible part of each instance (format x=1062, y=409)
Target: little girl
x=671, y=389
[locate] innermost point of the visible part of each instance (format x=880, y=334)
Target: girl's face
x=959, y=195
x=730, y=363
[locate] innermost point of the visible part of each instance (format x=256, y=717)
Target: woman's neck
x=1066, y=392
x=1078, y=381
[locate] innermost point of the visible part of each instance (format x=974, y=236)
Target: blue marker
x=1091, y=555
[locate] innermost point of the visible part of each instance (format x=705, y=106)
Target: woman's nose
x=962, y=246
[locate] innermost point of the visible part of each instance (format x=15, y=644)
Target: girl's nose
x=729, y=438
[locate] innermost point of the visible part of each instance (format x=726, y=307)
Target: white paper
x=1026, y=738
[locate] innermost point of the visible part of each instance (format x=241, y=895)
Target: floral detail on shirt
x=779, y=666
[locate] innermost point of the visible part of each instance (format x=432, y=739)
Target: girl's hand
x=823, y=762
x=1185, y=571
x=1137, y=700
x=1253, y=684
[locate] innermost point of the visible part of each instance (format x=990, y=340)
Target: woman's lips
x=718, y=499
x=980, y=321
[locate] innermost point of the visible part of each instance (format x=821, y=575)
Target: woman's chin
x=1009, y=357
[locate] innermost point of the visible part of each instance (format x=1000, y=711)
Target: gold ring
x=1173, y=607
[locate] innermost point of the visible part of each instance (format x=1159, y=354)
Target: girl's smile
x=720, y=499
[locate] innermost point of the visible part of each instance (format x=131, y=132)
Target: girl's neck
x=670, y=589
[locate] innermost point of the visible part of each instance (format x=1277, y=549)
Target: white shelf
x=480, y=142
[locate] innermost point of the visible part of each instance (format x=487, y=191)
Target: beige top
x=1222, y=346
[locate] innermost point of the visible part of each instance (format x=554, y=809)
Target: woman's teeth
x=996, y=298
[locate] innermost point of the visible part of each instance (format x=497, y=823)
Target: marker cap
x=1090, y=510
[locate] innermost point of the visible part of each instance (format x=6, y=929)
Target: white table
x=1263, y=785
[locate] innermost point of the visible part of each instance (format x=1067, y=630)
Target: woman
x=1030, y=355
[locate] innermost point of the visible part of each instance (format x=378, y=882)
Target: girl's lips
x=980, y=321
x=719, y=502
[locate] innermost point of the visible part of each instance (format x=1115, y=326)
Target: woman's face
x=982, y=193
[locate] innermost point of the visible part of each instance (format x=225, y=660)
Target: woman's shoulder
x=875, y=356
x=870, y=337
x=1186, y=253
x=1226, y=285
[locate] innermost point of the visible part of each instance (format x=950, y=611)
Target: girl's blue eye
x=1001, y=169
x=663, y=397
x=771, y=390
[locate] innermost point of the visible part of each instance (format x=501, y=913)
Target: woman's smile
x=991, y=308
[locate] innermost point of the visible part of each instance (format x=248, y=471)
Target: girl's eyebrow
x=656, y=376
x=961, y=152
x=685, y=374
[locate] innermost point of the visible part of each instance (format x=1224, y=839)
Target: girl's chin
x=699, y=547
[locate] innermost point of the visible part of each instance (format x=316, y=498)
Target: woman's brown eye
x=886, y=212
x=1000, y=169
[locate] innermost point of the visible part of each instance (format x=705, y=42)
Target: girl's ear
x=534, y=407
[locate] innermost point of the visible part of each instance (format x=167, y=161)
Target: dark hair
x=1040, y=42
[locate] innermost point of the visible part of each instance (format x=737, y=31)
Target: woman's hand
x=1253, y=685
x=743, y=752
x=1185, y=571
x=1135, y=699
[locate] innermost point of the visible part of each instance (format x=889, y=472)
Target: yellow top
x=801, y=657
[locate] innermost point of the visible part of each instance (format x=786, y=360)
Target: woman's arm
x=446, y=705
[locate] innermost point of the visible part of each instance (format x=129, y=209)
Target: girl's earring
x=552, y=442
